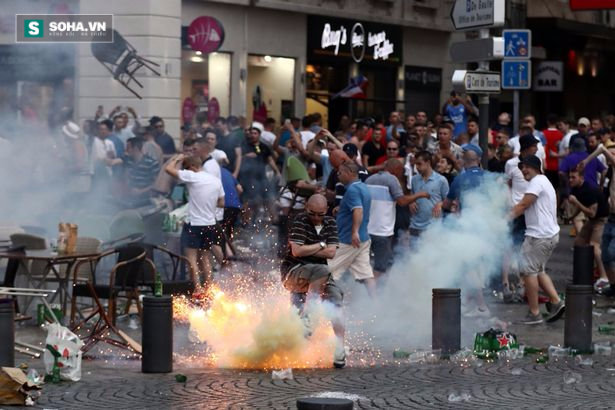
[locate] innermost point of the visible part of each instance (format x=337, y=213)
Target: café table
x=52, y=261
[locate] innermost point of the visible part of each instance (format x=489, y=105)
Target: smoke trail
x=444, y=255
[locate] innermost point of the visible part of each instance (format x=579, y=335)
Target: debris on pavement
x=284, y=374
x=456, y=398
x=15, y=388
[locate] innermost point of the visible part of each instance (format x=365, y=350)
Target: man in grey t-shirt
x=386, y=192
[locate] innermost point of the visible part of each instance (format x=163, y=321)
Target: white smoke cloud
x=400, y=316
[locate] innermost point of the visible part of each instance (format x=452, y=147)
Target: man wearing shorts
x=352, y=220
x=312, y=240
x=592, y=203
x=199, y=231
x=539, y=204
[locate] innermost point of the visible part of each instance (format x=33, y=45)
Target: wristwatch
x=323, y=245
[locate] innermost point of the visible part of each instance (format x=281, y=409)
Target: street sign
x=476, y=82
x=471, y=14
x=517, y=44
x=483, y=49
x=516, y=74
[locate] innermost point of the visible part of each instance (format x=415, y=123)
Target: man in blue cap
x=468, y=180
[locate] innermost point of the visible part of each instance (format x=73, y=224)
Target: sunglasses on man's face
x=391, y=149
x=158, y=126
x=316, y=214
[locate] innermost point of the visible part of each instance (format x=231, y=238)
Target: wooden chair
x=32, y=243
x=124, y=280
x=171, y=284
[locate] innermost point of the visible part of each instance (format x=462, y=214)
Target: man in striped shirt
x=312, y=239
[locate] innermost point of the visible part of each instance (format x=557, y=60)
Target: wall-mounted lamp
x=243, y=73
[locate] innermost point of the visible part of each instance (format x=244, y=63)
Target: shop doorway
x=270, y=87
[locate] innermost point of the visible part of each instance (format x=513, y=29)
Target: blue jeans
x=608, y=243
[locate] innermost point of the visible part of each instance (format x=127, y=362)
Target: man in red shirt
x=553, y=137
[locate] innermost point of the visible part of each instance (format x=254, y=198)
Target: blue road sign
x=516, y=74
x=517, y=44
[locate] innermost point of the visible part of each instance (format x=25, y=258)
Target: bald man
x=312, y=240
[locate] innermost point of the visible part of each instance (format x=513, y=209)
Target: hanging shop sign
x=549, y=76
x=205, y=34
x=340, y=39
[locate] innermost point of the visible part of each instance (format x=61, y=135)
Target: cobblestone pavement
x=119, y=384
x=401, y=387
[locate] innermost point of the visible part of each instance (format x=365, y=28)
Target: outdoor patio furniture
x=123, y=282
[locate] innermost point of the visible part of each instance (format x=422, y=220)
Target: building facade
x=282, y=58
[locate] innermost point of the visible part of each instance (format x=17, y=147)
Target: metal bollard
x=7, y=333
x=324, y=403
x=578, y=322
x=446, y=320
x=157, y=335
x=583, y=265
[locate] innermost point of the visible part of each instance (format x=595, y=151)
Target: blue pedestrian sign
x=517, y=44
x=516, y=74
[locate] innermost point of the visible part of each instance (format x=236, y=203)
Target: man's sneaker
x=339, y=357
x=477, y=312
x=557, y=310
x=532, y=319
x=601, y=284
x=608, y=291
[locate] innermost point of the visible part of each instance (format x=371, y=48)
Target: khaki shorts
x=303, y=278
x=535, y=253
x=354, y=259
x=591, y=232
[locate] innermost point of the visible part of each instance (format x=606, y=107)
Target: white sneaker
x=600, y=284
x=476, y=312
x=133, y=323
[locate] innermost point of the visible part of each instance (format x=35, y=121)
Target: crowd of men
x=345, y=200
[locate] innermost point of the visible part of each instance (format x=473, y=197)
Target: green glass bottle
x=55, y=372
x=158, y=285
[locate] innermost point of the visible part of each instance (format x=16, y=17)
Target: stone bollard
x=583, y=265
x=446, y=320
x=578, y=322
x=7, y=333
x=157, y=335
x=323, y=403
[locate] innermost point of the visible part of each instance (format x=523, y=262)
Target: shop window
x=270, y=89
x=206, y=77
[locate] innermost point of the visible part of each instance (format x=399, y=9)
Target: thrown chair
x=124, y=279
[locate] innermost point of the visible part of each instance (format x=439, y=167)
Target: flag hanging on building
x=356, y=88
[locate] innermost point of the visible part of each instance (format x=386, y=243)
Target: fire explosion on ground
x=255, y=330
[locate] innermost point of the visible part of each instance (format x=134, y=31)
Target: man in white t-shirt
x=307, y=134
x=217, y=154
x=199, y=231
x=267, y=135
x=563, y=125
x=515, y=142
x=518, y=187
x=539, y=204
